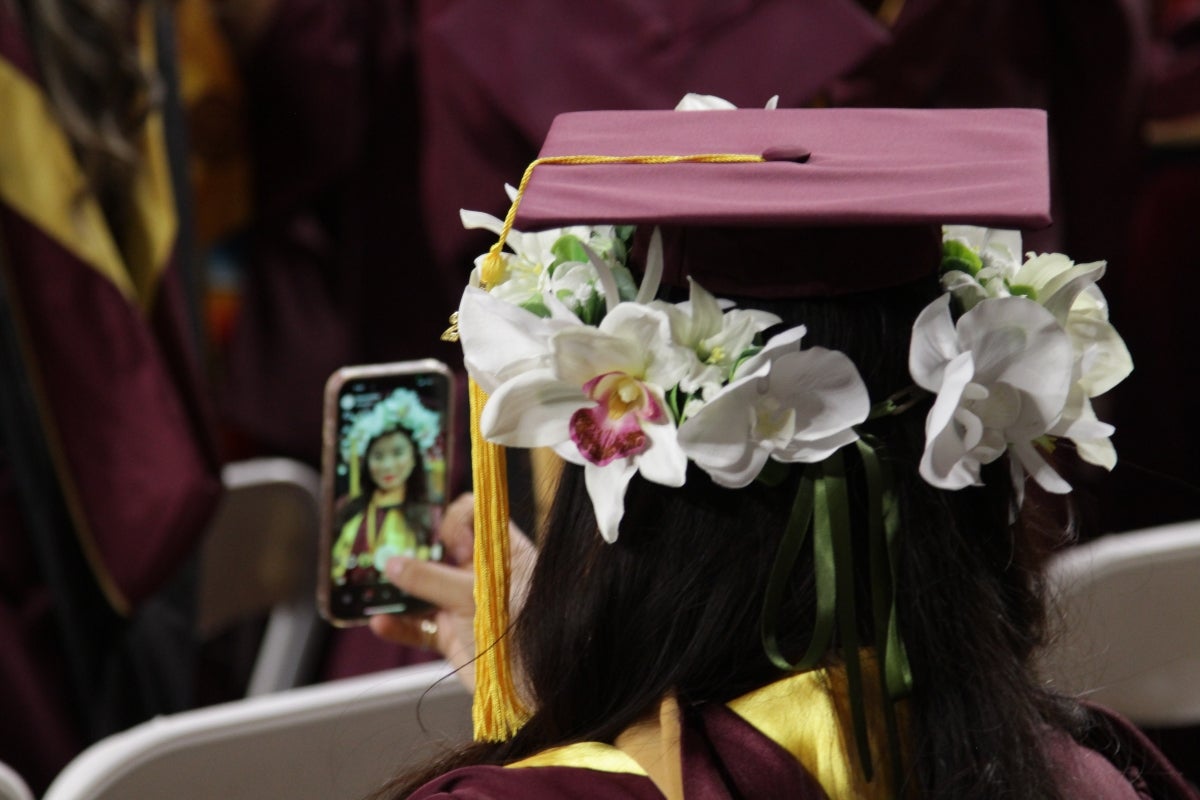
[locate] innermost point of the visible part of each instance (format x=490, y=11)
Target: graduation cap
x=813, y=185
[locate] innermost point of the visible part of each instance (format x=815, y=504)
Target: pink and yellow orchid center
x=612, y=428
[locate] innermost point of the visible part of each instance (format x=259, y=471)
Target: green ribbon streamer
x=822, y=505
x=832, y=513
x=884, y=520
x=785, y=560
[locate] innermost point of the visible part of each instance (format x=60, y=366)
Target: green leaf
x=626, y=287
x=674, y=404
x=535, y=305
x=593, y=309
x=568, y=248
x=745, y=354
x=958, y=256
x=773, y=473
x=1023, y=290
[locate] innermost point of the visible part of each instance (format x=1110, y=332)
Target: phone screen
x=387, y=443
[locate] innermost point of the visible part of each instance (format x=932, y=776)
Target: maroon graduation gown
x=724, y=757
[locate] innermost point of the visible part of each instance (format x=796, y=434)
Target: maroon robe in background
x=1154, y=306
x=337, y=264
x=133, y=482
x=724, y=758
x=491, y=83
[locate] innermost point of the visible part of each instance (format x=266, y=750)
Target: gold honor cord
x=498, y=712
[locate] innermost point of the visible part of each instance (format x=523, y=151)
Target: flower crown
x=576, y=357
x=402, y=409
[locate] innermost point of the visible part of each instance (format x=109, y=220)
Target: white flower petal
x=500, y=340
x=1104, y=359
x=652, y=275
x=663, y=462
x=1033, y=463
x=934, y=344
x=580, y=354
x=717, y=438
x=779, y=344
x=707, y=316
x=703, y=102
x=606, y=487
x=810, y=451
x=946, y=463
x=472, y=220
x=824, y=388
x=531, y=410
x=1097, y=451
x=1018, y=343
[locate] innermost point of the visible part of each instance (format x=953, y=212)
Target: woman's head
x=390, y=460
x=394, y=463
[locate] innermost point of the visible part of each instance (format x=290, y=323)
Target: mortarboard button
x=787, y=153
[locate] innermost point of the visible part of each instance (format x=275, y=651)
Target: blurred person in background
x=107, y=473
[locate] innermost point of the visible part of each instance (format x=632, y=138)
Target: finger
x=441, y=584
x=399, y=629
x=457, y=531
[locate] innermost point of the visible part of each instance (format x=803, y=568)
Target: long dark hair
x=100, y=93
x=674, y=604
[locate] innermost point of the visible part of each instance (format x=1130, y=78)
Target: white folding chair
x=12, y=785
x=1129, y=632
x=259, y=559
x=339, y=739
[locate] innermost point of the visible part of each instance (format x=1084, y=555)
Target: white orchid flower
x=600, y=401
x=501, y=341
x=718, y=337
x=785, y=403
x=1002, y=376
x=1069, y=292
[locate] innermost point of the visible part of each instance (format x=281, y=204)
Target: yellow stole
x=808, y=715
x=40, y=179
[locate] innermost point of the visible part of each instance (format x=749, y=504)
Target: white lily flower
x=784, y=403
x=1002, y=377
x=718, y=337
x=600, y=402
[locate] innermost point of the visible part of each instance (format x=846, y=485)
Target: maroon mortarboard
x=862, y=184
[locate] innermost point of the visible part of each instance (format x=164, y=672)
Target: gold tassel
x=497, y=712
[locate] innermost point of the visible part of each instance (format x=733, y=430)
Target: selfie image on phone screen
x=388, y=483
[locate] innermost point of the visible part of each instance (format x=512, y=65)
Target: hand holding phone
x=450, y=587
x=387, y=441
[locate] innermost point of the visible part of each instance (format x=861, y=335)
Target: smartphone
x=387, y=442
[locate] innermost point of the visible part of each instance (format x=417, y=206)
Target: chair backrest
x=1129, y=627
x=339, y=739
x=12, y=786
x=260, y=559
